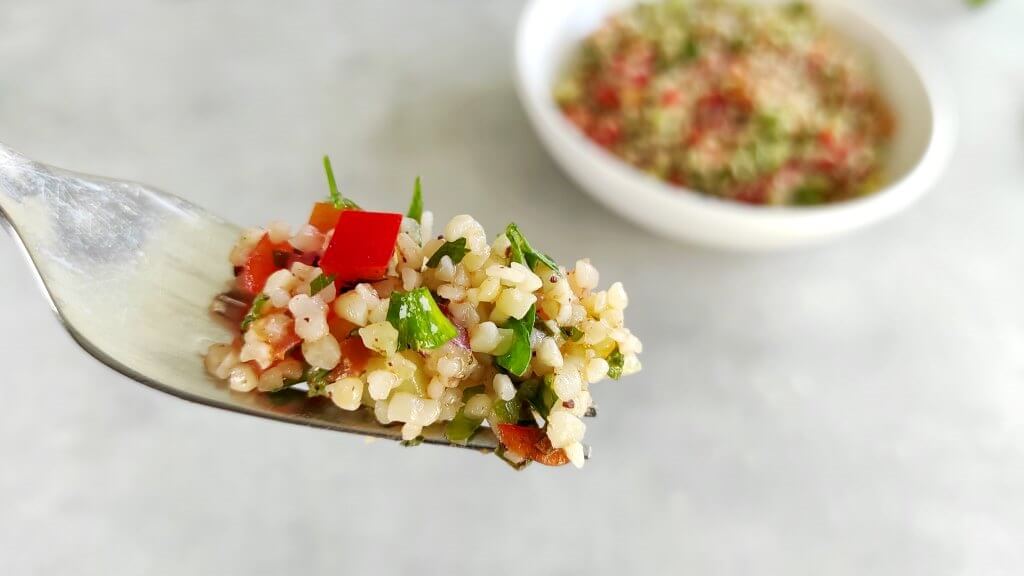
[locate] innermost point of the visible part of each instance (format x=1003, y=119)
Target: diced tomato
x=324, y=216
x=531, y=443
x=755, y=192
x=362, y=246
x=635, y=65
x=258, y=267
x=281, y=346
x=607, y=96
x=670, y=97
x=550, y=456
x=678, y=178
x=354, y=357
x=579, y=116
x=340, y=328
x=280, y=336
x=606, y=132
x=720, y=110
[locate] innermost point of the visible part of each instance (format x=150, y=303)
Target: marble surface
x=845, y=410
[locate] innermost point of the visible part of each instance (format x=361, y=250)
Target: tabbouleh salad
x=760, y=104
x=374, y=312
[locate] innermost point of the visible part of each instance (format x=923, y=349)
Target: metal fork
x=131, y=271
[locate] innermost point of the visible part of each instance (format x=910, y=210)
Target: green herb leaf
x=337, y=199
x=798, y=9
x=615, y=363
x=416, y=206
x=572, y=334
x=517, y=359
x=540, y=393
x=420, y=323
x=414, y=442
x=255, y=311
x=316, y=381
x=461, y=428
x=320, y=282
x=523, y=253
x=456, y=250
x=691, y=50
x=808, y=195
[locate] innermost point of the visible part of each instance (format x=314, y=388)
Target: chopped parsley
x=456, y=250
x=339, y=201
x=416, y=206
x=317, y=381
x=414, y=442
x=461, y=428
x=420, y=323
x=540, y=393
x=517, y=359
x=572, y=334
x=320, y=282
x=255, y=311
x=616, y=361
x=523, y=253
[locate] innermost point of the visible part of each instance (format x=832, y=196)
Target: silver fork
x=131, y=271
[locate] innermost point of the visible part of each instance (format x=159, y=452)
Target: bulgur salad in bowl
x=373, y=312
x=753, y=126
x=761, y=104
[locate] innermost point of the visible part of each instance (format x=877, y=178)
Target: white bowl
x=551, y=30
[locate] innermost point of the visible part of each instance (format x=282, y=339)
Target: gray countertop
x=846, y=410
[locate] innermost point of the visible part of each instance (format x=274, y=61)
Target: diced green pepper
x=506, y=411
x=461, y=428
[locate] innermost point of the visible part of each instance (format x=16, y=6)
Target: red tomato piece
x=579, y=116
x=607, y=132
x=755, y=192
x=531, y=443
x=259, y=265
x=607, y=96
x=340, y=328
x=324, y=216
x=362, y=246
x=354, y=357
x=281, y=346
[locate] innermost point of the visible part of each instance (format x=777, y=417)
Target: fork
x=131, y=271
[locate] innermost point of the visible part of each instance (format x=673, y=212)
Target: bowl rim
x=848, y=214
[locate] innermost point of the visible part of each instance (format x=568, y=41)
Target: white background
x=846, y=410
